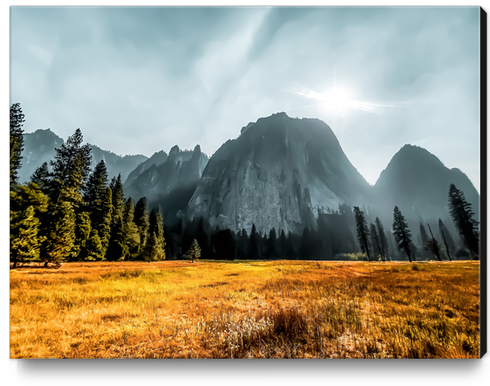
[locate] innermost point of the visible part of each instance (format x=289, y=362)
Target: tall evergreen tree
x=142, y=221
x=71, y=167
x=433, y=245
x=16, y=141
x=61, y=237
x=41, y=177
x=272, y=244
x=194, y=252
x=462, y=215
x=402, y=233
x=98, y=197
x=94, y=247
x=362, y=231
x=254, y=248
x=283, y=244
x=382, y=239
x=118, y=248
x=375, y=242
x=28, y=205
x=83, y=229
x=448, y=240
x=155, y=247
x=24, y=240
x=117, y=196
x=131, y=230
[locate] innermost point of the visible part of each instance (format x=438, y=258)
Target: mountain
x=115, y=163
x=278, y=173
x=180, y=169
x=40, y=146
x=418, y=183
x=156, y=159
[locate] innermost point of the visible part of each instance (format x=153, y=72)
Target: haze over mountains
x=280, y=173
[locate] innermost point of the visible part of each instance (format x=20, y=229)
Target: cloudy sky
x=140, y=80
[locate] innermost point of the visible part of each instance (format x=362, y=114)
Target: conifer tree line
x=69, y=212
x=373, y=241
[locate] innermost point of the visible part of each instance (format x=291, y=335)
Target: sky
x=140, y=80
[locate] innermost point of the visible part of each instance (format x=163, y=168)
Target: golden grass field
x=247, y=309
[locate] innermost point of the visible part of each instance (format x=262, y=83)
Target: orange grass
x=279, y=309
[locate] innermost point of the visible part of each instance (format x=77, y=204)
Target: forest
x=70, y=212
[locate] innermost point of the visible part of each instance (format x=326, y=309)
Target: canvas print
x=247, y=182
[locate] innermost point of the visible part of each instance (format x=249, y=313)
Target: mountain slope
x=277, y=173
x=180, y=169
x=40, y=146
x=418, y=183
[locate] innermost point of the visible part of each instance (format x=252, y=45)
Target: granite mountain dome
x=277, y=174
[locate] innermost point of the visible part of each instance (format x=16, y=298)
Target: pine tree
x=362, y=231
x=272, y=245
x=104, y=221
x=448, y=240
x=24, y=240
x=254, y=247
x=117, y=196
x=16, y=141
x=382, y=239
x=41, y=177
x=118, y=248
x=462, y=215
x=194, y=252
x=433, y=245
x=94, y=247
x=402, y=233
x=375, y=242
x=283, y=244
x=131, y=230
x=155, y=248
x=98, y=197
x=71, y=167
x=142, y=221
x=61, y=238
x=83, y=229
x=28, y=204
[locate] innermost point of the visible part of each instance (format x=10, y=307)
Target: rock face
x=39, y=147
x=180, y=168
x=116, y=164
x=277, y=174
x=418, y=183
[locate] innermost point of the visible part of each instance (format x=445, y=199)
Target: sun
x=338, y=100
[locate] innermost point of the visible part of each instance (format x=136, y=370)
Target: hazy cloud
x=138, y=80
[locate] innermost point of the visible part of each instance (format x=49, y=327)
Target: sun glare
x=338, y=100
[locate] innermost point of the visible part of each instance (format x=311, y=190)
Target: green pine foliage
x=194, y=252
x=24, y=240
x=16, y=141
x=362, y=231
x=131, y=231
x=83, y=229
x=155, y=246
x=382, y=239
x=94, y=248
x=401, y=233
x=118, y=248
x=61, y=237
x=142, y=221
x=462, y=215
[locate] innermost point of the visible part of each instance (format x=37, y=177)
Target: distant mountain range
x=39, y=147
x=280, y=173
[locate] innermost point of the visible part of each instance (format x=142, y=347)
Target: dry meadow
x=246, y=309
